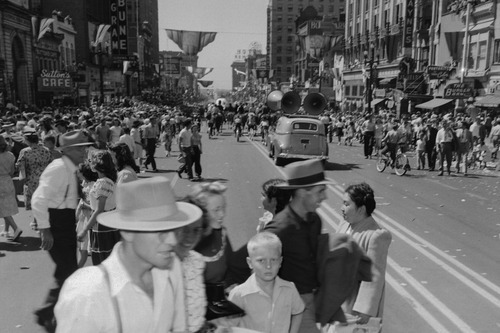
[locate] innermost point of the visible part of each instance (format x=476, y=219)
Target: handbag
x=217, y=304
x=181, y=159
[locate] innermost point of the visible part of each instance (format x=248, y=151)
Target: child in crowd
x=50, y=143
x=271, y=305
x=83, y=211
x=421, y=143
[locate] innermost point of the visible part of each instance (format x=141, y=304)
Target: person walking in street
x=368, y=129
x=186, y=150
x=103, y=134
x=135, y=133
x=444, y=144
x=8, y=202
x=31, y=163
x=298, y=227
x=430, y=145
x=54, y=203
x=367, y=300
x=197, y=150
x=465, y=142
x=139, y=287
x=151, y=135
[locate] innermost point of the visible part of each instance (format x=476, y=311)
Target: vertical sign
x=409, y=20
x=119, y=45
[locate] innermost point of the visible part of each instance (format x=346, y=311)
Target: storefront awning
x=377, y=101
x=434, y=103
x=481, y=26
x=490, y=101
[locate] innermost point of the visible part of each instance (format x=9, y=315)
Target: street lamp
x=370, y=62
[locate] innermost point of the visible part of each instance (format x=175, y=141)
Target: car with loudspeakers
x=297, y=136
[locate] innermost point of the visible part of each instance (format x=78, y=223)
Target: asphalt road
x=443, y=269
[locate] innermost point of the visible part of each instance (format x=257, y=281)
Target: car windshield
x=305, y=126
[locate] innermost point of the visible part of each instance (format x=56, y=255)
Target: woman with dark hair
x=367, y=300
x=31, y=163
x=274, y=199
x=102, y=199
x=8, y=202
x=125, y=163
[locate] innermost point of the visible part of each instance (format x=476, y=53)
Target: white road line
x=440, y=306
x=418, y=307
x=381, y=217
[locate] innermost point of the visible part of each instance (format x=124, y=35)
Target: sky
x=238, y=23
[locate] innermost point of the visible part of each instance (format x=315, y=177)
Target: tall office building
x=282, y=18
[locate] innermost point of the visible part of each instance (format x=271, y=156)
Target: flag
x=454, y=41
x=205, y=83
x=199, y=72
x=191, y=42
x=45, y=26
x=126, y=67
x=101, y=33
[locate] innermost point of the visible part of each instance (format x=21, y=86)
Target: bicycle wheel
x=381, y=163
x=400, y=165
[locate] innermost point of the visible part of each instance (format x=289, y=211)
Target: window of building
x=288, y=60
x=321, y=8
x=496, y=54
x=279, y=8
x=278, y=39
x=289, y=29
x=290, y=8
x=289, y=19
x=279, y=49
x=348, y=90
x=358, y=7
x=279, y=19
x=361, y=90
x=330, y=8
x=289, y=49
x=289, y=39
x=279, y=28
x=289, y=70
x=355, y=90
x=367, y=5
x=278, y=59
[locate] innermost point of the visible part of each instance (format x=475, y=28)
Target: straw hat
x=149, y=205
x=304, y=174
x=74, y=139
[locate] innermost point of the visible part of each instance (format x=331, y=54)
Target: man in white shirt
x=186, y=150
x=54, y=203
x=139, y=287
x=128, y=140
x=444, y=145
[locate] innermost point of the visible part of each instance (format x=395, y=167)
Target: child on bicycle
x=391, y=141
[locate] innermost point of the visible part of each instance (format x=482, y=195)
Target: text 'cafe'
x=52, y=82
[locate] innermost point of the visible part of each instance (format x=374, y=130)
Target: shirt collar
x=69, y=163
x=118, y=275
x=251, y=286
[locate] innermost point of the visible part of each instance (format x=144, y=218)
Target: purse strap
x=114, y=300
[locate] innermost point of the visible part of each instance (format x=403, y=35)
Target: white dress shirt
x=57, y=189
x=129, y=141
x=85, y=303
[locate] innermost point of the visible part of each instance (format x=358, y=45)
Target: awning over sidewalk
x=434, y=103
x=377, y=101
x=489, y=101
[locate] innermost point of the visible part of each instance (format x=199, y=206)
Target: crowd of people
x=163, y=264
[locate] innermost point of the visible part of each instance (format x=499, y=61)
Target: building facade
x=281, y=29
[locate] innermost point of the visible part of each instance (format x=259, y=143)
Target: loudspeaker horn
x=274, y=100
x=314, y=104
x=290, y=103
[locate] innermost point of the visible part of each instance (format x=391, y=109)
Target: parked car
x=298, y=137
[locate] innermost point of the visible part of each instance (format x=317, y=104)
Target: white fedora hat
x=148, y=205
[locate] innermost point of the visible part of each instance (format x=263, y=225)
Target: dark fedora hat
x=304, y=174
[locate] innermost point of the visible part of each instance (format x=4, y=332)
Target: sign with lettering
x=458, y=90
x=409, y=20
x=54, y=81
x=438, y=72
x=172, y=65
x=118, y=29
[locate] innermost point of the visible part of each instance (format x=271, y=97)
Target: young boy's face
x=265, y=261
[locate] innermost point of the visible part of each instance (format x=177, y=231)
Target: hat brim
x=79, y=144
x=187, y=214
x=286, y=186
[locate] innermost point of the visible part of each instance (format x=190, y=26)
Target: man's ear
x=249, y=263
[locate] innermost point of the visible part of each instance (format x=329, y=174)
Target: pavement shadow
x=329, y=166
x=24, y=244
x=210, y=180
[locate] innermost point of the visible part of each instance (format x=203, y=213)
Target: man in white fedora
x=53, y=204
x=298, y=227
x=139, y=287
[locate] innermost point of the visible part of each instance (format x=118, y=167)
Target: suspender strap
x=116, y=307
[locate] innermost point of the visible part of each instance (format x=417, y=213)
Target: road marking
x=418, y=307
x=455, y=319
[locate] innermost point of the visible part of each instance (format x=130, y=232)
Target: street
x=443, y=268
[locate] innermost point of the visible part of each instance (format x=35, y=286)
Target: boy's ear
x=249, y=263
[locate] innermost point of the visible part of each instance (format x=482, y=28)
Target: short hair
x=362, y=195
x=102, y=161
x=3, y=144
x=264, y=238
x=282, y=195
x=87, y=173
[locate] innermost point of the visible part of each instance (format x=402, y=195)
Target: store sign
x=54, y=81
x=458, y=90
x=119, y=44
x=438, y=72
x=409, y=20
x=172, y=66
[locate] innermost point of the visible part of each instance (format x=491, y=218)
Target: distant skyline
x=238, y=23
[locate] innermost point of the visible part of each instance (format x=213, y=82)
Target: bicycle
x=401, y=165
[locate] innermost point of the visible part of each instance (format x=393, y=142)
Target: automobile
x=298, y=137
